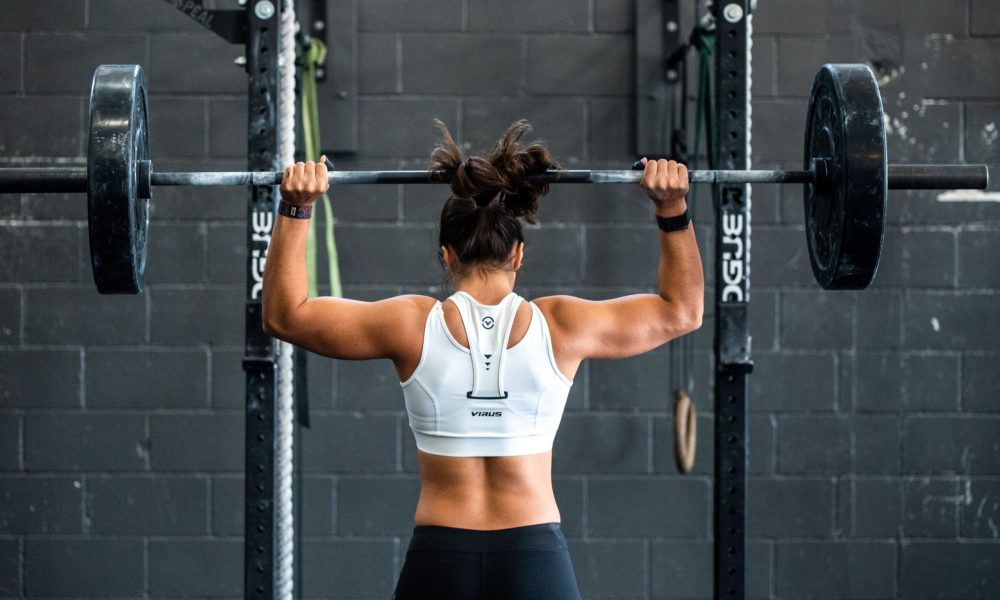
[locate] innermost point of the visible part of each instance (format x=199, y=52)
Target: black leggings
x=526, y=563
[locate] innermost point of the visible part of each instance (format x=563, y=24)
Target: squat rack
x=255, y=27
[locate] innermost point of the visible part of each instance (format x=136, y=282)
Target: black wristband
x=295, y=211
x=678, y=223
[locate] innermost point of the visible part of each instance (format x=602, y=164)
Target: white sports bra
x=488, y=399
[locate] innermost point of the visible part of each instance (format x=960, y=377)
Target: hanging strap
x=488, y=330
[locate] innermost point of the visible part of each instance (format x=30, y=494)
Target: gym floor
x=874, y=436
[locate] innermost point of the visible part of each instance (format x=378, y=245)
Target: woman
x=485, y=375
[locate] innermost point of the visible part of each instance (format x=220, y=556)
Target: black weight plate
x=118, y=216
x=845, y=217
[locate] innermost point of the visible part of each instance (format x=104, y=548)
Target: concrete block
x=681, y=569
x=917, y=259
x=79, y=315
x=227, y=127
x=976, y=267
x=177, y=253
x=836, y=570
x=814, y=444
x=206, y=64
x=10, y=316
x=558, y=125
x=10, y=63
x=980, y=381
x=228, y=379
x=914, y=382
x=10, y=443
x=410, y=15
x=348, y=568
x=178, y=127
x=614, y=16
x=368, y=384
x=365, y=257
x=350, y=443
x=369, y=506
x=10, y=567
x=68, y=60
x=201, y=568
x=948, y=321
x=40, y=378
x=621, y=256
x=379, y=53
x=794, y=382
x=40, y=505
x=227, y=501
x=816, y=320
x=552, y=256
x=610, y=569
x=930, y=507
x=877, y=508
x=980, y=509
x=569, y=65
x=596, y=204
x=146, y=505
x=226, y=257
x=42, y=15
x=789, y=508
x=780, y=257
x=130, y=16
x=84, y=567
x=879, y=320
x=610, y=133
x=943, y=66
x=951, y=444
x=971, y=568
x=41, y=126
x=40, y=253
x=570, y=493
x=210, y=442
x=623, y=507
x=561, y=16
x=183, y=317
x=85, y=442
x=490, y=65
x=982, y=129
x=594, y=443
x=877, y=444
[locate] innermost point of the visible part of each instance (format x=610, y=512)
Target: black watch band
x=678, y=223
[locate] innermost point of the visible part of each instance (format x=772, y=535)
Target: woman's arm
x=335, y=327
x=635, y=324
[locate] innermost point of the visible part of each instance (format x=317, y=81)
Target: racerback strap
x=488, y=330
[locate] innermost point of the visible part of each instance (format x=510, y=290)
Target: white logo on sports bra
x=488, y=322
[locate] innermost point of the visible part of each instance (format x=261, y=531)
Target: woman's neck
x=487, y=289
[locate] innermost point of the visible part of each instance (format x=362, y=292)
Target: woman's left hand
x=304, y=182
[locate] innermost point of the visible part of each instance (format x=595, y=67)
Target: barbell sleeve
x=44, y=180
x=938, y=177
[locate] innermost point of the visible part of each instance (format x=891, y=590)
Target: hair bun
x=504, y=178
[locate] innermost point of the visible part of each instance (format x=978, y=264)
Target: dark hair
x=480, y=221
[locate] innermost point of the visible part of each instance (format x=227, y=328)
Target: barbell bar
x=845, y=179
x=900, y=177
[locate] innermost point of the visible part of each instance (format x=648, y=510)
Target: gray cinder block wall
x=875, y=416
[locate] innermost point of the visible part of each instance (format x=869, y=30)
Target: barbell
x=846, y=177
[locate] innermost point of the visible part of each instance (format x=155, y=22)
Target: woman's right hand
x=666, y=183
x=304, y=182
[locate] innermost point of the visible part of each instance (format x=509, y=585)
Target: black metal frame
x=732, y=296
